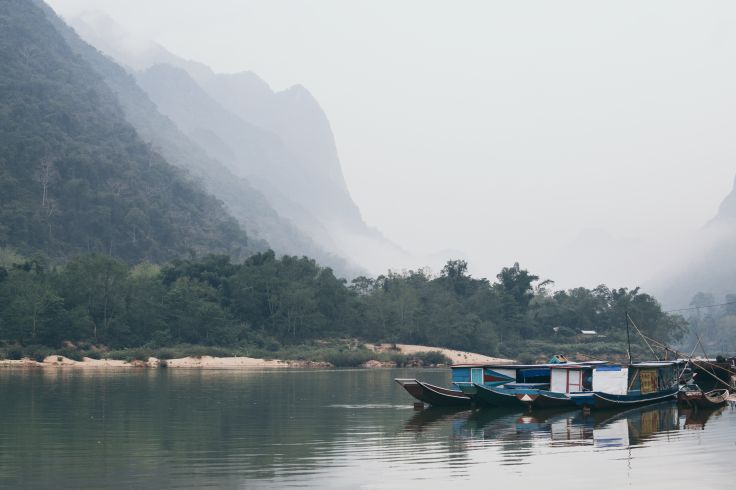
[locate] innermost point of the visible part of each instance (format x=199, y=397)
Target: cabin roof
x=578, y=365
x=527, y=366
x=653, y=364
x=644, y=364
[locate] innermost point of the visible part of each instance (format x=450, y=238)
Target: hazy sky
x=586, y=140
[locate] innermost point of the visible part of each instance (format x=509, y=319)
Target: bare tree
x=27, y=54
x=46, y=175
x=52, y=208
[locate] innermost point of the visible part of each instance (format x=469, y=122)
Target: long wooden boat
x=604, y=385
x=510, y=395
x=693, y=396
x=570, y=385
x=633, y=384
x=502, y=385
x=434, y=395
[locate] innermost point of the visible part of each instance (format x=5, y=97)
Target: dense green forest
x=266, y=303
x=75, y=177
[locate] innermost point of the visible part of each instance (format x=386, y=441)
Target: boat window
x=588, y=380
x=533, y=375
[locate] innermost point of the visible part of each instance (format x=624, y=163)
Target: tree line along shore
x=270, y=307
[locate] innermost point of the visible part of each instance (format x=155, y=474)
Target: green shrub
x=72, y=354
x=37, y=352
x=433, y=358
x=14, y=354
x=93, y=354
x=129, y=355
x=347, y=358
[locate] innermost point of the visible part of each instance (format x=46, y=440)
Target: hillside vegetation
x=75, y=177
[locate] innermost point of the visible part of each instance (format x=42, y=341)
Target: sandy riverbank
x=208, y=362
x=201, y=362
x=457, y=356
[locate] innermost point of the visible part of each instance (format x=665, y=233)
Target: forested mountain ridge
x=75, y=176
x=247, y=204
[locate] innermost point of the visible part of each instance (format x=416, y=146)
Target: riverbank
x=384, y=352
x=455, y=356
x=202, y=362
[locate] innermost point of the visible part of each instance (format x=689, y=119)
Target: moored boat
x=633, y=384
x=693, y=396
x=434, y=395
x=569, y=385
x=493, y=396
x=508, y=385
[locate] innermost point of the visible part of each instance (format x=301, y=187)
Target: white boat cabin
x=638, y=378
x=571, y=379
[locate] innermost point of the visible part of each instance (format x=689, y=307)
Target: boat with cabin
x=469, y=379
x=616, y=385
x=508, y=385
x=606, y=385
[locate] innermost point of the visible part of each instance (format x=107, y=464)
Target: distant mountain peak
x=727, y=209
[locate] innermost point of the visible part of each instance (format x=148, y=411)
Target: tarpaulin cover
x=648, y=380
x=611, y=382
x=558, y=382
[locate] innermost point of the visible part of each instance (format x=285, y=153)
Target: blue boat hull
x=498, y=396
x=604, y=400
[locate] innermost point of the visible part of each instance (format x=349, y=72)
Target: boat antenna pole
x=644, y=337
x=628, y=338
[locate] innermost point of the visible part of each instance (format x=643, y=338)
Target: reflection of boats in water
x=634, y=426
x=695, y=419
x=435, y=416
x=573, y=427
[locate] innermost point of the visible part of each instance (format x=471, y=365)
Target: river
x=179, y=428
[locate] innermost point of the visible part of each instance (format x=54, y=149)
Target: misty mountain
x=243, y=201
x=75, y=175
x=251, y=152
x=280, y=141
x=302, y=126
x=727, y=210
x=710, y=264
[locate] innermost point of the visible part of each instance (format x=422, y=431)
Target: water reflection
x=322, y=429
x=601, y=429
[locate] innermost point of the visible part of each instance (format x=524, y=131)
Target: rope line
x=699, y=307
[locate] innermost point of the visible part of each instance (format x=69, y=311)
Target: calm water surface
x=331, y=429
